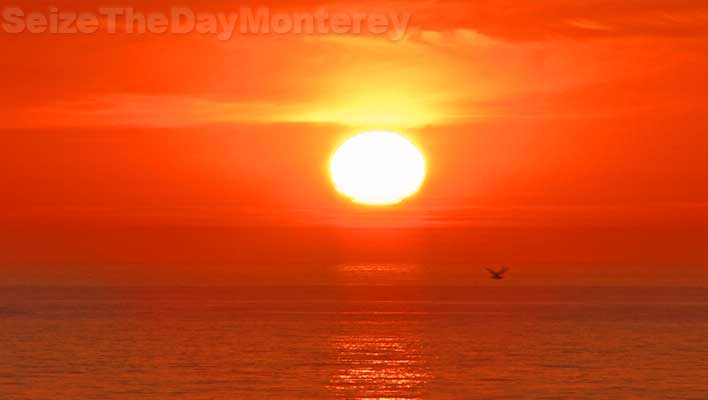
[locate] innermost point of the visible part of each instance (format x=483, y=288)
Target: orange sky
x=558, y=133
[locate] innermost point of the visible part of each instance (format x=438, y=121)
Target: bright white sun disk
x=378, y=168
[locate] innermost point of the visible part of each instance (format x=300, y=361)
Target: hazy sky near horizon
x=557, y=133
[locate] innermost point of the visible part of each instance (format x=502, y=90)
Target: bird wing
x=493, y=272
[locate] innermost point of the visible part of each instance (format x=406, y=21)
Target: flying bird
x=498, y=275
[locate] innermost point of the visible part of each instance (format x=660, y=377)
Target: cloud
x=548, y=19
x=461, y=60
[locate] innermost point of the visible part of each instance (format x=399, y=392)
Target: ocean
x=353, y=342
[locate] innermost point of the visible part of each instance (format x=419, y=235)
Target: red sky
x=558, y=134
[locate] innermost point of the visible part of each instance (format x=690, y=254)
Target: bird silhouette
x=498, y=275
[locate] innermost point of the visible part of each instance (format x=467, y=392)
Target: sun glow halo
x=378, y=168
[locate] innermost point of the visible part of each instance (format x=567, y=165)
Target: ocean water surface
x=354, y=342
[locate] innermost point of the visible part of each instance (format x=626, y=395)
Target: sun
x=378, y=168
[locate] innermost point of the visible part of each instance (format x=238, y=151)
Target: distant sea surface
x=354, y=342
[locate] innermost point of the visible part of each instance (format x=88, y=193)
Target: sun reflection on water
x=378, y=273
x=375, y=364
